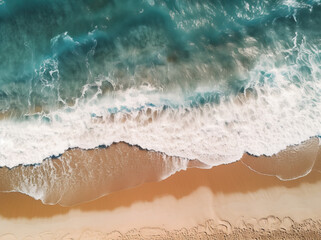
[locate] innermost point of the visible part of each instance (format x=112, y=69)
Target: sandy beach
x=160, y=119
x=225, y=202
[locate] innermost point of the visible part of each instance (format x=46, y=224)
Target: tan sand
x=228, y=201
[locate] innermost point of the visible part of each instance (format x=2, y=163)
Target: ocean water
x=207, y=80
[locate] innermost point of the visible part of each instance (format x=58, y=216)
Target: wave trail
x=82, y=175
x=293, y=162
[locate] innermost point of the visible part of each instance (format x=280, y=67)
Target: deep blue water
x=50, y=50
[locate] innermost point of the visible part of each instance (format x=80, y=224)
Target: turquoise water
x=217, y=72
x=51, y=49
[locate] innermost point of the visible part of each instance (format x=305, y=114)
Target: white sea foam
x=273, y=113
x=214, y=134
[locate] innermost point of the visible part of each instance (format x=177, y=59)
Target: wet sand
x=228, y=201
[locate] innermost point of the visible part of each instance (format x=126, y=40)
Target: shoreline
x=229, y=200
x=78, y=176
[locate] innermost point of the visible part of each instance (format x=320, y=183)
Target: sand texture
x=225, y=202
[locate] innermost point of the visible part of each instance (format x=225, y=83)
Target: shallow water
x=206, y=80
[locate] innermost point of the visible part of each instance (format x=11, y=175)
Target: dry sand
x=226, y=202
